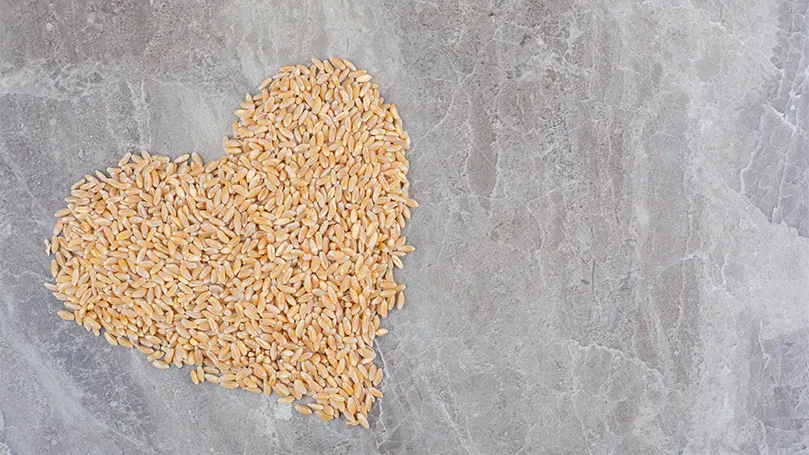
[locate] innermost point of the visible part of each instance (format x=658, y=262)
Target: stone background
x=612, y=241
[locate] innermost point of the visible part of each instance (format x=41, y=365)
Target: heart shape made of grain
x=268, y=269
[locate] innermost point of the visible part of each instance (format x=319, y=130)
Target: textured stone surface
x=613, y=238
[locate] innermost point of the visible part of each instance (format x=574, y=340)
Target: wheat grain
x=269, y=268
x=286, y=400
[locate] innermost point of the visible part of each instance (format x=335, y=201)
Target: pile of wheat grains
x=268, y=269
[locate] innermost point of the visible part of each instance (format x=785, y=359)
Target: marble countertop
x=612, y=243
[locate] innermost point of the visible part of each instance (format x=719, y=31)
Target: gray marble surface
x=613, y=238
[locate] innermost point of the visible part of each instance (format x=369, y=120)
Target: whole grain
x=268, y=269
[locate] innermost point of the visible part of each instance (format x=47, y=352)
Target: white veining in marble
x=613, y=237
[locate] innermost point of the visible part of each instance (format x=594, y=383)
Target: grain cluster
x=268, y=269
